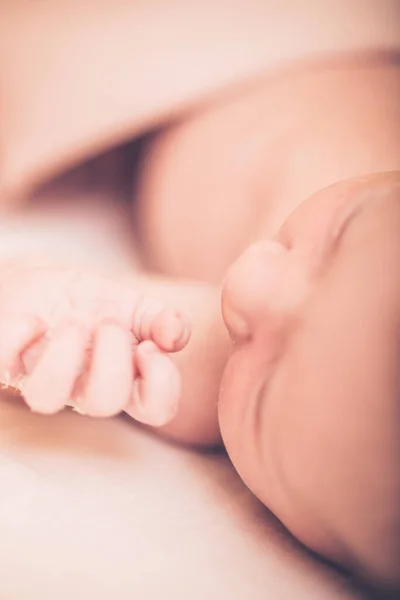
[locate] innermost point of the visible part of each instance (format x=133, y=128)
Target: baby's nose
x=250, y=288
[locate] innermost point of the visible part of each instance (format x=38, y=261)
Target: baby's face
x=310, y=394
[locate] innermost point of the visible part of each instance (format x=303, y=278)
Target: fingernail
x=78, y=410
x=6, y=380
x=76, y=407
x=19, y=384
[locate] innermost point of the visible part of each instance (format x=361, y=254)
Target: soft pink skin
x=341, y=538
x=281, y=143
x=303, y=140
x=309, y=400
x=159, y=60
x=59, y=328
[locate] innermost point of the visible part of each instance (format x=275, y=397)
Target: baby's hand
x=70, y=337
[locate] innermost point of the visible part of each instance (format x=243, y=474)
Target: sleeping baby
x=266, y=307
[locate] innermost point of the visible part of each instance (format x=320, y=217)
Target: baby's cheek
x=319, y=443
x=337, y=397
